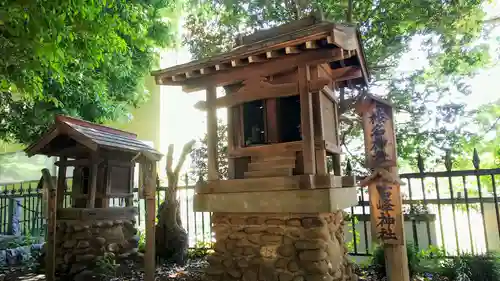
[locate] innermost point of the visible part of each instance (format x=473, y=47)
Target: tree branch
x=170, y=159
x=372, y=12
x=354, y=158
x=493, y=20
x=346, y=132
x=379, y=67
x=188, y=147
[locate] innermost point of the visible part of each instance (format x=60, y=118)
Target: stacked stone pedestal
x=80, y=244
x=279, y=247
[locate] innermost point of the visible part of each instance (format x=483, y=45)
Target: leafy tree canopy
x=450, y=34
x=80, y=58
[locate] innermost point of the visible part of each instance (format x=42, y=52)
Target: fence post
x=14, y=215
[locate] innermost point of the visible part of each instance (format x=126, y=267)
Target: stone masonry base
x=279, y=247
x=79, y=244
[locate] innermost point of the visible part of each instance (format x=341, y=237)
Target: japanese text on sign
x=385, y=220
x=386, y=212
x=379, y=142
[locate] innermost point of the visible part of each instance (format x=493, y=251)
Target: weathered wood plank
x=278, y=163
x=349, y=181
x=150, y=198
x=64, y=162
x=271, y=149
x=272, y=125
x=306, y=121
x=61, y=184
x=50, y=258
x=318, y=120
x=270, y=183
x=256, y=184
x=272, y=172
x=258, y=89
x=278, y=150
x=93, y=182
x=213, y=171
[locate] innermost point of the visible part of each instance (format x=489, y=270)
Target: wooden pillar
x=50, y=258
x=93, y=183
x=150, y=201
x=231, y=172
x=129, y=201
x=396, y=258
x=230, y=133
x=320, y=152
x=213, y=170
x=61, y=182
x=337, y=168
x=107, y=187
x=272, y=129
x=306, y=120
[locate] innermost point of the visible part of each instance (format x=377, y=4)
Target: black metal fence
x=454, y=209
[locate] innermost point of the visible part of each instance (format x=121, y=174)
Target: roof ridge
x=80, y=122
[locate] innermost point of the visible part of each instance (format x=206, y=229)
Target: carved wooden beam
x=259, y=89
x=346, y=73
x=266, y=68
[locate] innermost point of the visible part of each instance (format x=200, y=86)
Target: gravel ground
x=127, y=271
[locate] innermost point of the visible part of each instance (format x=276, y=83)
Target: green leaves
x=82, y=58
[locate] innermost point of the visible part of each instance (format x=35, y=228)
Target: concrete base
x=284, y=201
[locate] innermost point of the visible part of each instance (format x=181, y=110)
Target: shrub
x=433, y=264
x=142, y=241
x=200, y=250
x=106, y=266
x=468, y=267
x=378, y=260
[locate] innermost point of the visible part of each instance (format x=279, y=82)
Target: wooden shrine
x=281, y=204
x=103, y=161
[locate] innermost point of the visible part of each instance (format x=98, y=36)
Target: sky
x=181, y=122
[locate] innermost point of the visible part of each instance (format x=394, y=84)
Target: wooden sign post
x=147, y=192
x=51, y=197
x=384, y=184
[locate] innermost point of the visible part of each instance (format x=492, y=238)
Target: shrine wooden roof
x=323, y=41
x=68, y=134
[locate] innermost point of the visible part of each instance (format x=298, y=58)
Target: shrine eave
x=260, y=50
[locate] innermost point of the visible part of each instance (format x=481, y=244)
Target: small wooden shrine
x=279, y=215
x=104, y=160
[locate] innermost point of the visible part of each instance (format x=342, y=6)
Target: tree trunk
x=171, y=238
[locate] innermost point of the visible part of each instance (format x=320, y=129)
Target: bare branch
x=493, y=20
x=380, y=67
x=188, y=147
x=170, y=159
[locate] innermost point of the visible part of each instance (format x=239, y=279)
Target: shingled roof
x=68, y=131
x=305, y=36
